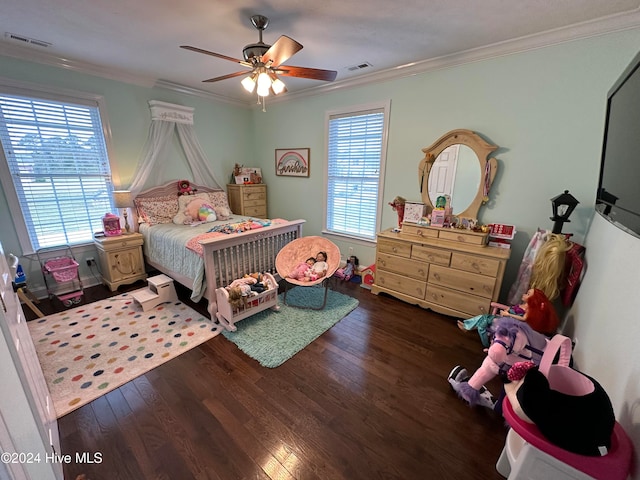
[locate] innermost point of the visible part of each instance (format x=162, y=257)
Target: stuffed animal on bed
x=199, y=210
x=185, y=188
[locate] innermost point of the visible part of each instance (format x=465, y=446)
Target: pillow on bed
x=155, y=210
x=220, y=204
x=183, y=217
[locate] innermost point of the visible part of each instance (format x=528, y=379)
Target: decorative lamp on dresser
x=249, y=199
x=121, y=260
x=448, y=270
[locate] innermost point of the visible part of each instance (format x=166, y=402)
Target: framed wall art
x=292, y=162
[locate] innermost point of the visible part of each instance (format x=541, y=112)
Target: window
x=58, y=168
x=356, y=151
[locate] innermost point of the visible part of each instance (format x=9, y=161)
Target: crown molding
x=176, y=87
x=37, y=56
x=580, y=31
x=610, y=24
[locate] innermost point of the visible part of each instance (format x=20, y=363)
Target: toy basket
x=63, y=269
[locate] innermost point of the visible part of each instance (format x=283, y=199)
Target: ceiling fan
x=265, y=62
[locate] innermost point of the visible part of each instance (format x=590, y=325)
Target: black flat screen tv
x=618, y=194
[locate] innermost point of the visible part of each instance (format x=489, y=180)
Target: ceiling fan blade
x=213, y=54
x=303, y=72
x=281, y=51
x=224, y=77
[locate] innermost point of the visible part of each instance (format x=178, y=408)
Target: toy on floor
x=535, y=309
x=513, y=341
x=348, y=271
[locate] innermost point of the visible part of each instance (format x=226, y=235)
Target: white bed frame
x=232, y=256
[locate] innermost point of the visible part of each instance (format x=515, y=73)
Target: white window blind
x=355, y=159
x=58, y=162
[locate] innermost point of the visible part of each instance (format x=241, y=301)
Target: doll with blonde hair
x=549, y=265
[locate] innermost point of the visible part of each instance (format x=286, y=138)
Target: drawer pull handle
x=395, y=250
x=383, y=263
x=475, y=266
x=431, y=258
x=420, y=233
x=436, y=276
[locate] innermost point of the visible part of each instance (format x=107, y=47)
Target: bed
x=205, y=256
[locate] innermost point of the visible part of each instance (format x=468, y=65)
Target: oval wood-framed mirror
x=488, y=168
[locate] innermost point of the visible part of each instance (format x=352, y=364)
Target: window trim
x=385, y=105
x=32, y=90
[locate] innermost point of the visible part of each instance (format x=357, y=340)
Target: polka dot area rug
x=92, y=349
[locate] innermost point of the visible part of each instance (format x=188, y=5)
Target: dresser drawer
x=256, y=211
x=462, y=281
x=431, y=255
x=471, y=305
x=402, y=265
x=464, y=236
x=255, y=194
x=404, y=285
x=419, y=231
x=475, y=264
x=121, y=241
x=402, y=249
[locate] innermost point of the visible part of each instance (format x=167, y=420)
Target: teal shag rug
x=273, y=337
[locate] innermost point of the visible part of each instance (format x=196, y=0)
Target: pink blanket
x=194, y=243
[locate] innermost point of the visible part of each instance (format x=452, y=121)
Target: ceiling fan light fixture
x=249, y=83
x=277, y=85
x=264, y=83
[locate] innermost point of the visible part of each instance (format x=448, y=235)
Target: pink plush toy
x=200, y=210
x=513, y=341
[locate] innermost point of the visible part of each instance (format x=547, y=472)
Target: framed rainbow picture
x=293, y=162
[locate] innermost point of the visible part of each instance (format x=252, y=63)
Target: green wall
x=543, y=107
x=221, y=129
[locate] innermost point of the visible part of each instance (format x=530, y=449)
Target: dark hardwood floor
x=367, y=400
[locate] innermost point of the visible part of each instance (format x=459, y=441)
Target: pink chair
x=298, y=251
x=527, y=454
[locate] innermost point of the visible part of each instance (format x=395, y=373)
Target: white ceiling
x=138, y=40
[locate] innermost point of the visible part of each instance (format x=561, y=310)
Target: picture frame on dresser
x=293, y=162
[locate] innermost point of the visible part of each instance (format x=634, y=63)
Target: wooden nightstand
x=248, y=200
x=120, y=259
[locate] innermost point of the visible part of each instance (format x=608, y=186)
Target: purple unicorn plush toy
x=513, y=341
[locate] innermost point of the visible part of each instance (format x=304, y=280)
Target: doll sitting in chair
x=304, y=271
x=327, y=262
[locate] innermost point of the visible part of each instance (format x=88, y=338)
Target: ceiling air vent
x=26, y=40
x=360, y=66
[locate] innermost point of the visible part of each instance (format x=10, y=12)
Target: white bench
x=160, y=289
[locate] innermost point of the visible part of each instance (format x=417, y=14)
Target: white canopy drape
x=165, y=118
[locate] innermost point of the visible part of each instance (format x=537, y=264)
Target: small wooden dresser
x=248, y=200
x=121, y=260
x=446, y=270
